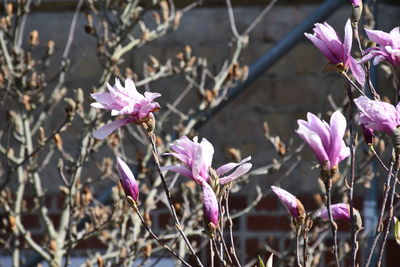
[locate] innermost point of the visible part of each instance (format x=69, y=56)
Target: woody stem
x=328, y=187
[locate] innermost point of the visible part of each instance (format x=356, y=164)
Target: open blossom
x=378, y=115
x=328, y=42
x=127, y=180
x=196, y=161
x=125, y=101
x=388, y=46
x=339, y=211
x=292, y=204
x=326, y=140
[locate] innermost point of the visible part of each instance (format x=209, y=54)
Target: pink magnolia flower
x=328, y=42
x=127, y=180
x=126, y=101
x=326, y=140
x=291, y=203
x=196, y=161
x=339, y=211
x=378, y=115
x=388, y=46
x=210, y=206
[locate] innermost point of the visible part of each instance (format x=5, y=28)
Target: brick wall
x=267, y=225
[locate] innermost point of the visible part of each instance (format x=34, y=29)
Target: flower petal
x=107, y=129
x=230, y=166
x=339, y=211
x=182, y=170
x=348, y=40
x=242, y=169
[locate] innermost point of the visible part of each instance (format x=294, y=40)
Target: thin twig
x=353, y=232
x=168, y=194
x=230, y=225
x=298, y=231
x=379, y=225
x=390, y=217
x=156, y=237
x=259, y=17
x=328, y=187
x=344, y=74
x=232, y=19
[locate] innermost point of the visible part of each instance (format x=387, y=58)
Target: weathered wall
x=294, y=86
x=282, y=95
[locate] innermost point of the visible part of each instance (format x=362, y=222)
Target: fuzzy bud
x=291, y=203
x=34, y=38
x=368, y=135
x=396, y=230
x=127, y=180
x=210, y=206
x=341, y=211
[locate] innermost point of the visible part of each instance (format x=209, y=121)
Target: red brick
x=30, y=203
x=391, y=253
x=268, y=203
x=31, y=221
x=253, y=247
x=55, y=219
x=91, y=243
x=268, y=223
x=49, y=200
x=164, y=220
x=237, y=203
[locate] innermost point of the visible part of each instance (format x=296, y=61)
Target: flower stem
x=390, y=218
x=167, y=192
x=298, y=231
x=344, y=74
x=379, y=225
x=157, y=239
x=328, y=187
x=230, y=225
x=354, y=231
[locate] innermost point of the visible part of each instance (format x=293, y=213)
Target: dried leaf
x=34, y=38
x=164, y=10
x=58, y=141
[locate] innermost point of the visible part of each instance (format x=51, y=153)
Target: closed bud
x=291, y=203
x=210, y=207
x=128, y=181
x=396, y=230
x=9, y=9
x=58, y=141
x=34, y=38
x=164, y=10
x=368, y=135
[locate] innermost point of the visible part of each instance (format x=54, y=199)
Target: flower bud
x=356, y=11
x=368, y=135
x=291, y=203
x=210, y=206
x=341, y=211
x=396, y=230
x=127, y=180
